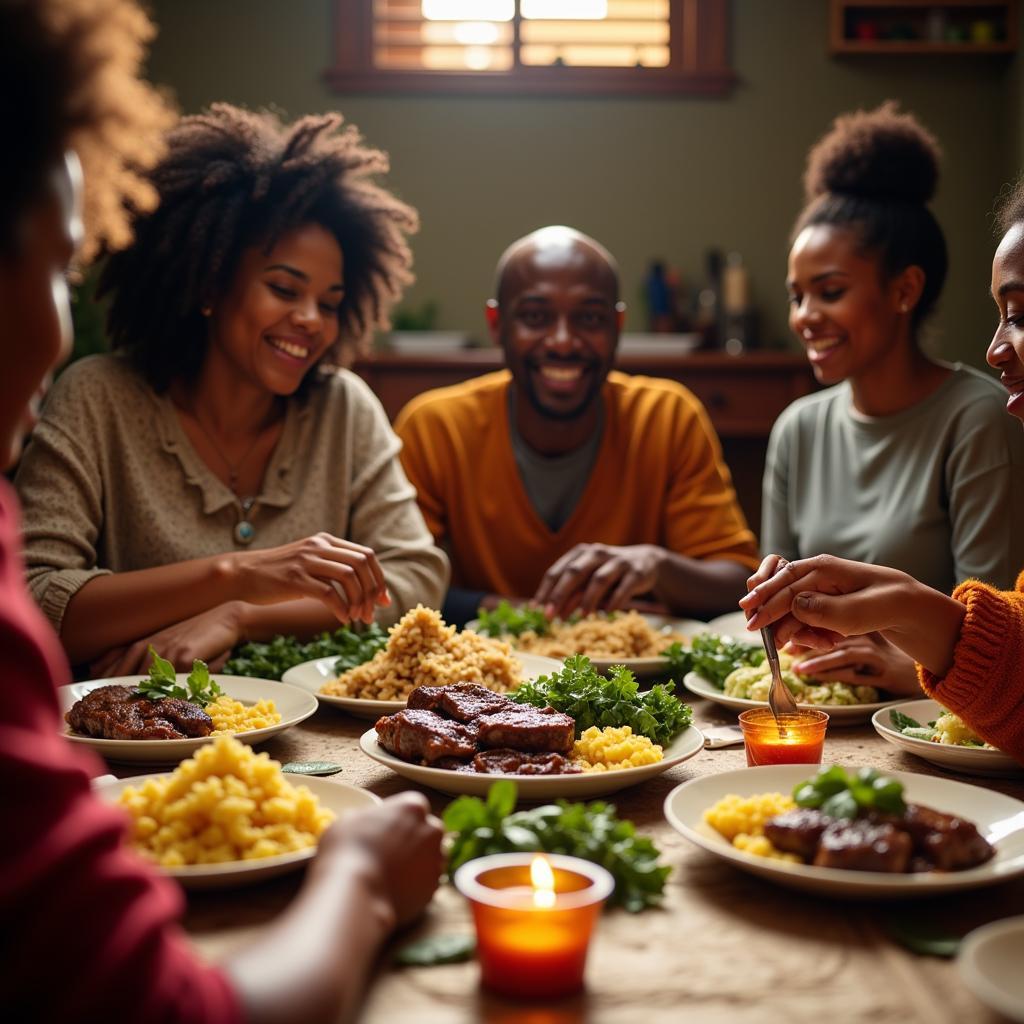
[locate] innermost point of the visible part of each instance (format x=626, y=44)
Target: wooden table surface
x=725, y=946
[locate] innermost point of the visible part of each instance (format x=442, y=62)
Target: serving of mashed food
x=752, y=682
x=226, y=803
x=614, y=747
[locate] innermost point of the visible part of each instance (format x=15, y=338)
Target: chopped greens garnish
x=271, y=660
x=591, y=831
x=712, y=657
x=591, y=699
x=199, y=687
x=901, y=721
x=509, y=620
x=841, y=795
x=436, y=949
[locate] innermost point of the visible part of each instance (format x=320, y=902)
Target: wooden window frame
x=698, y=63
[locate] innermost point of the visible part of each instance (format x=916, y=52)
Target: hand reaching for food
x=344, y=576
x=862, y=660
x=592, y=576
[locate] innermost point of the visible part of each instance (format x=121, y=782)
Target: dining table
x=723, y=945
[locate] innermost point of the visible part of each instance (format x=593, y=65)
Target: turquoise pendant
x=244, y=532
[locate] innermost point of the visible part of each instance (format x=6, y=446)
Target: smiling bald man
x=562, y=480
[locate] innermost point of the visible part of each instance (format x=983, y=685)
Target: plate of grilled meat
x=947, y=836
x=121, y=724
x=460, y=739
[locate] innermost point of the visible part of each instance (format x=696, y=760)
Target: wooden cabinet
x=923, y=26
x=742, y=394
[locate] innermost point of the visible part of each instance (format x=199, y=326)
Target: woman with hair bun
x=218, y=478
x=904, y=460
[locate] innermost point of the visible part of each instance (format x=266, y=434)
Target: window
x=532, y=46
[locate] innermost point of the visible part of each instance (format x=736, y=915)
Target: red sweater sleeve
x=985, y=685
x=88, y=930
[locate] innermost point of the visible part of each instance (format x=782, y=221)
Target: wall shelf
x=972, y=27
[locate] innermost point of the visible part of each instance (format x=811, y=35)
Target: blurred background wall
x=649, y=177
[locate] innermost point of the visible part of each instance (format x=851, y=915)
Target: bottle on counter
x=737, y=308
x=708, y=313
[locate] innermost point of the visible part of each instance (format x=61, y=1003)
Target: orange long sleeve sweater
x=985, y=686
x=658, y=478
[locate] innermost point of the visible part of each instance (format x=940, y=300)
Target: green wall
x=648, y=177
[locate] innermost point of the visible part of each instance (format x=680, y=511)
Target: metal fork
x=780, y=700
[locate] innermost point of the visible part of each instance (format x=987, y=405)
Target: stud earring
x=904, y=307
x=206, y=311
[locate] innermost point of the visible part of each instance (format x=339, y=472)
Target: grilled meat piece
x=798, y=831
x=423, y=736
x=464, y=702
x=947, y=842
x=515, y=762
x=453, y=764
x=122, y=713
x=862, y=845
x=528, y=728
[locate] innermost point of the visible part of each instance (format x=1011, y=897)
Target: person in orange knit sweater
x=565, y=481
x=969, y=647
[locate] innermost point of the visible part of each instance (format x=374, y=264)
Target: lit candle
x=534, y=915
x=800, y=740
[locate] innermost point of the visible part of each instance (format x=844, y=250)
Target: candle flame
x=543, y=880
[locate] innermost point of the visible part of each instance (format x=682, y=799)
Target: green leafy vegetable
x=592, y=699
x=841, y=795
x=271, y=660
x=163, y=682
x=922, y=938
x=509, y=620
x=712, y=657
x=901, y=721
x=591, y=831
x=436, y=949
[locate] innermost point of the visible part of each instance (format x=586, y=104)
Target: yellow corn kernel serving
x=226, y=803
x=735, y=815
x=760, y=846
x=611, y=748
x=231, y=716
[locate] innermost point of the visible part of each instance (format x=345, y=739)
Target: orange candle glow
x=534, y=914
x=800, y=740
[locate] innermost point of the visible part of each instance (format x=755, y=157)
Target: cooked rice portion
x=423, y=651
x=626, y=635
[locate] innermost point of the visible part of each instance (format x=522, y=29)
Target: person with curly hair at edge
x=905, y=460
x=562, y=480
x=89, y=930
x=969, y=646
x=218, y=478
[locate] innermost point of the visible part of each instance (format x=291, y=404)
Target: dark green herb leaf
x=923, y=939
x=436, y=949
x=311, y=768
x=841, y=805
x=509, y=620
x=271, y=660
x=591, y=699
x=900, y=721
x=712, y=657
x=163, y=682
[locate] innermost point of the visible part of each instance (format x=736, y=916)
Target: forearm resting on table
x=697, y=586
x=112, y=611
x=303, y=618
x=317, y=957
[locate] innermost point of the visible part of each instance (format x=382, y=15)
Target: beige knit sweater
x=110, y=483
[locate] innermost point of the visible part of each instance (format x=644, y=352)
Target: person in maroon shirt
x=89, y=931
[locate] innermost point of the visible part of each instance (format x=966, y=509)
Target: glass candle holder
x=534, y=915
x=793, y=739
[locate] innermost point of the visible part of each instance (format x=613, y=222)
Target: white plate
x=311, y=675
x=838, y=714
x=969, y=760
x=340, y=797
x=1000, y=819
x=990, y=963
x=734, y=624
x=536, y=787
x=293, y=704
x=642, y=668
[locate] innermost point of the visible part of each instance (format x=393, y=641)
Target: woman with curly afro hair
x=969, y=647
x=903, y=460
x=71, y=892
x=219, y=478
